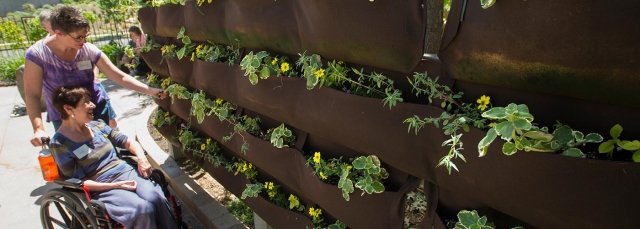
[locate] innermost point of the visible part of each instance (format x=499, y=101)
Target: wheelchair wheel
x=62, y=209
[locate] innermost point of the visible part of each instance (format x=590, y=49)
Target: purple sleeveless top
x=57, y=72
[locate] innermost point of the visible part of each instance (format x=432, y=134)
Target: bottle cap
x=45, y=153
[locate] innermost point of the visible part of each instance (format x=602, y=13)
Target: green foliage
x=12, y=34
x=216, y=53
x=149, y=46
x=261, y=66
x=241, y=211
x=35, y=32
x=514, y=125
x=163, y=118
x=246, y=168
x=187, y=138
x=471, y=220
x=169, y=52
x=8, y=67
x=177, y=91
x=364, y=173
x=487, y=3
x=111, y=50
x=281, y=137
x=610, y=145
x=374, y=85
x=415, y=208
x=188, y=47
x=29, y=8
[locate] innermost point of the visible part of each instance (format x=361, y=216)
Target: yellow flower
x=349, y=167
x=284, y=67
x=166, y=114
x=219, y=101
x=312, y=211
x=180, y=132
x=483, y=102
x=274, y=61
x=271, y=194
x=316, y=157
x=202, y=147
x=208, y=141
x=322, y=176
x=270, y=185
x=340, y=62
x=199, y=48
x=319, y=73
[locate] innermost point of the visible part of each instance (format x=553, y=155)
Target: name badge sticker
x=84, y=65
x=82, y=151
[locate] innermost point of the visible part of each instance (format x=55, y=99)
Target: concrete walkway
x=21, y=183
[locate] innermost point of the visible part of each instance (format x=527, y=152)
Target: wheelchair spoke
x=63, y=214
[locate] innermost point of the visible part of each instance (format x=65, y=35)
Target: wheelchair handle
x=45, y=142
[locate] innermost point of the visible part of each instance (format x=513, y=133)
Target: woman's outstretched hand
x=127, y=185
x=158, y=93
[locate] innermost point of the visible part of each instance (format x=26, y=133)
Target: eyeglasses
x=80, y=38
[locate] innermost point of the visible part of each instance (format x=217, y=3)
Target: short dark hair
x=68, y=95
x=68, y=19
x=136, y=30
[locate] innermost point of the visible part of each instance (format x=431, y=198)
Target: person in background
x=44, y=18
x=84, y=149
x=66, y=58
x=138, y=39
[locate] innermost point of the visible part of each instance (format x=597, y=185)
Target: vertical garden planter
x=154, y=61
x=170, y=132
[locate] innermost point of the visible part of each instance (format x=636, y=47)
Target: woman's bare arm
x=32, y=94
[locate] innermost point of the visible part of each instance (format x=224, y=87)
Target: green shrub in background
x=111, y=49
x=241, y=211
x=12, y=34
x=8, y=67
x=35, y=32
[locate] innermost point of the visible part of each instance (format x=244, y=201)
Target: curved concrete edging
x=204, y=207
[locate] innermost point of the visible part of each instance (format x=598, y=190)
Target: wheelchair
x=71, y=206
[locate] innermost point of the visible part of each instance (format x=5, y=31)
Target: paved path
x=21, y=183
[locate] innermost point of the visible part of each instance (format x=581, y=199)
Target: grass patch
x=241, y=211
x=8, y=67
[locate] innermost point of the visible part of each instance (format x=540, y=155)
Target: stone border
x=205, y=208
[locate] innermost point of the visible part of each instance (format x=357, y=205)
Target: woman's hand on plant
x=127, y=185
x=157, y=93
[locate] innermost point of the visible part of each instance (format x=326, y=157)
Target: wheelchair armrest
x=73, y=182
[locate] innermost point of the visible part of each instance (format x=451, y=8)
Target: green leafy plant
x=246, y=168
x=163, y=118
x=487, y=3
x=281, y=137
x=610, y=145
x=188, y=47
x=177, y=91
x=514, y=125
x=373, y=85
x=112, y=49
x=169, y=52
x=471, y=220
x=415, y=208
x=149, y=46
x=216, y=53
x=34, y=31
x=363, y=173
x=187, y=138
x=9, y=66
x=241, y=211
x=261, y=66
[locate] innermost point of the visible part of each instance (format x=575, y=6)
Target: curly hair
x=68, y=19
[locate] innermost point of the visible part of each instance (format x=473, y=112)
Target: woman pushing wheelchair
x=84, y=149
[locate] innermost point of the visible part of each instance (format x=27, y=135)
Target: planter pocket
x=169, y=20
x=170, y=132
x=181, y=71
x=275, y=216
x=147, y=18
x=217, y=79
x=558, y=184
x=153, y=59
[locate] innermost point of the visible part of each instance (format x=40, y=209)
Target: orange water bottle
x=47, y=164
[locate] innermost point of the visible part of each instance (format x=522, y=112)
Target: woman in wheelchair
x=84, y=149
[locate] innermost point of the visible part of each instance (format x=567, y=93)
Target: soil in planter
x=202, y=178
